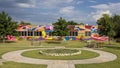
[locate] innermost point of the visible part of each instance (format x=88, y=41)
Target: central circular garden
x=60, y=54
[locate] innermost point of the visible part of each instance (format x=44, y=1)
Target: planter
x=60, y=52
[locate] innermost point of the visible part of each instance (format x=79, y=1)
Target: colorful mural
x=77, y=32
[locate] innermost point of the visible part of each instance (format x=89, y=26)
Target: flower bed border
x=61, y=54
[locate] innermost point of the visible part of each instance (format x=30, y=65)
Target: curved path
x=1, y=61
x=16, y=57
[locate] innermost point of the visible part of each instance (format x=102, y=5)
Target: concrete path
x=61, y=64
x=1, y=61
x=16, y=57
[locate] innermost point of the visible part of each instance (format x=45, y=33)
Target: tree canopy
x=107, y=26
x=7, y=26
x=72, y=23
x=110, y=25
x=60, y=27
x=24, y=23
x=116, y=20
x=82, y=23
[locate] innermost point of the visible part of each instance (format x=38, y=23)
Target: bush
x=118, y=40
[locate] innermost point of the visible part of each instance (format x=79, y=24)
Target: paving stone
x=16, y=57
x=1, y=61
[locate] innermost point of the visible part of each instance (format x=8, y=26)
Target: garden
x=101, y=51
x=21, y=45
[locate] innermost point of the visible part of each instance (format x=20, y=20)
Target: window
x=23, y=33
x=87, y=33
x=50, y=33
x=39, y=33
x=73, y=33
x=35, y=33
x=76, y=34
x=30, y=33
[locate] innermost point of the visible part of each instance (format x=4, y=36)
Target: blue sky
x=48, y=11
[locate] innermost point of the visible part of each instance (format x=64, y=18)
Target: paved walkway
x=16, y=57
x=1, y=61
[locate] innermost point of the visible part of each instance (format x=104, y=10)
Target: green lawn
x=68, y=44
x=7, y=47
x=16, y=44
x=115, y=49
x=19, y=45
x=84, y=55
x=21, y=65
x=73, y=44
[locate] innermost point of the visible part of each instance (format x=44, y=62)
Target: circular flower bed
x=60, y=52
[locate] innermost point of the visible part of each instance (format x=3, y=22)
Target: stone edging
x=16, y=56
x=61, y=54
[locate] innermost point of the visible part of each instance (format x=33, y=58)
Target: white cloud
x=97, y=15
x=68, y=1
x=55, y=3
x=94, y=1
x=79, y=2
x=101, y=6
x=25, y=5
x=111, y=9
x=68, y=11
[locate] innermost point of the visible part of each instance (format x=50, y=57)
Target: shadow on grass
x=53, y=42
x=7, y=41
x=113, y=47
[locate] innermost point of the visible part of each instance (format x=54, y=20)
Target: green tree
x=72, y=23
x=60, y=27
x=24, y=23
x=116, y=20
x=107, y=26
x=82, y=23
x=7, y=26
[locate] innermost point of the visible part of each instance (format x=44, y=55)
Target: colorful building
x=45, y=31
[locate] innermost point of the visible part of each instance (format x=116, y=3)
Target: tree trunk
x=109, y=40
x=3, y=39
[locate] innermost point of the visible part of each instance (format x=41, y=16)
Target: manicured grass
x=19, y=45
x=7, y=47
x=115, y=49
x=84, y=55
x=16, y=44
x=68, y=44
x=21, y=65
